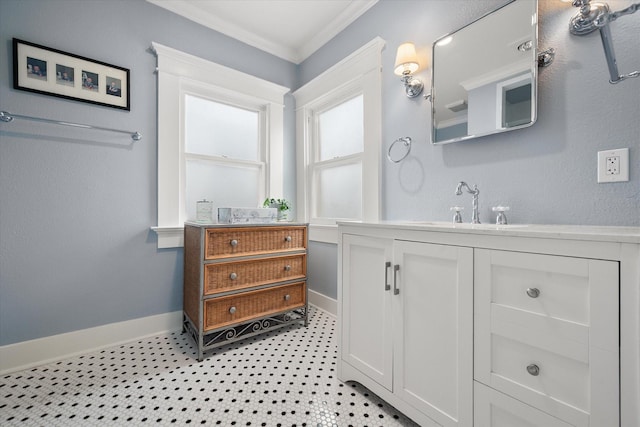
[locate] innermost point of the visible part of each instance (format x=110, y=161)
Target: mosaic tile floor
x=281, y=378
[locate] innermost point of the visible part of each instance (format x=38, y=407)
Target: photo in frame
x=49, y=71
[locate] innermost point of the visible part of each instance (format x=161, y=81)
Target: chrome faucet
x=475, y=218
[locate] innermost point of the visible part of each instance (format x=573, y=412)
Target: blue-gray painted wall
x=75, y=246
x=76, y=250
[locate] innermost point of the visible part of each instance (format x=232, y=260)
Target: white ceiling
x=289, y=29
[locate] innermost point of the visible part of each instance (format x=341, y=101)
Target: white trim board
x=180, y=73
x=27, y=354
x=323, y=302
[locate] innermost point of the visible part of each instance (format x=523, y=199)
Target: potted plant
x=282, y=205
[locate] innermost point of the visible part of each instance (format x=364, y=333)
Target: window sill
x=325, y=233
x=173, y=237
x=169, y=237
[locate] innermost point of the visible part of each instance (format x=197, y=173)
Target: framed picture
x=53, y=72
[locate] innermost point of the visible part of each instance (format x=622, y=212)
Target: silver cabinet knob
x=287, y=297
x=232, y=310
x=533, y=369
x=233, y=276
x=234, y=242
x=287, y=268
x=287, y=239
x=533, y=292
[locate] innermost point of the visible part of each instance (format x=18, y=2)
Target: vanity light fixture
x=407, y=64
x=597, y=16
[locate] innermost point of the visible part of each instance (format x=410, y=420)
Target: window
x=335, y=165
x=339, y=138
x=223, y=154
x=219, y=137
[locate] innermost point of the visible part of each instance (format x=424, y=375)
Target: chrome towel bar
x=7, y=117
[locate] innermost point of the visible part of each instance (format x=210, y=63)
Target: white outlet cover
x=623, y=175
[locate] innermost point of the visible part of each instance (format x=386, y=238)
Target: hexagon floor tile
x=282, y=378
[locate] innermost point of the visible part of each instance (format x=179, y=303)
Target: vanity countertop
x=619, y=234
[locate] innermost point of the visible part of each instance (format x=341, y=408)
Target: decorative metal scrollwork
x=235, y=333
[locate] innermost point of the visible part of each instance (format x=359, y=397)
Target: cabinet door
x=433, y=330
x=366, y=307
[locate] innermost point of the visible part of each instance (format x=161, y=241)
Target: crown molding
x=346, y=18
x=295, y=55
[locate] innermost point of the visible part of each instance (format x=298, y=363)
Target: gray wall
x=545, y=173
x=76, y=250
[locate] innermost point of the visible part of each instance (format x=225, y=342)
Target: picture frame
x=49, y=71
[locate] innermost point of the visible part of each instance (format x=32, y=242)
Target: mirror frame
x=534, y=78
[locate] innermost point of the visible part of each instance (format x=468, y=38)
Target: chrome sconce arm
x=597, y=16
x=412, y=86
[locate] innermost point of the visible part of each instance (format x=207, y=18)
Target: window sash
x=204, y=95
x=315, y=172
x=230, y=167
x=336, y=101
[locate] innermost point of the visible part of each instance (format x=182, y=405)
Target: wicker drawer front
x=232, y=242
x=238, y=308
x=229, y=276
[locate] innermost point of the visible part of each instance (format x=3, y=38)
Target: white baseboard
x=323, y=302
x=27, y=354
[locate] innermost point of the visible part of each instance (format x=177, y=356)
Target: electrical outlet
x=613, y=165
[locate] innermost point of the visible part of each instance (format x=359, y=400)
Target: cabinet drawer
x=238, y=308
x=553, y=286
x=232, y=242
x=229, y=276
x=495, y=409
x=523, y=370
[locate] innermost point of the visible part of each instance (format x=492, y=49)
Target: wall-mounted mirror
x=484, y=75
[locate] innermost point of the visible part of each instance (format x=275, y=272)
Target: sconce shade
x=406, y=59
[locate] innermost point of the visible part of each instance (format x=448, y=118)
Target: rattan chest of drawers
x=242, y=280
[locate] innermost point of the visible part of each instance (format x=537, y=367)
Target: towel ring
x=406, y=141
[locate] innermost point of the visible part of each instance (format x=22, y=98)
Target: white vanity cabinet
x=493, y=326
x=406, y=325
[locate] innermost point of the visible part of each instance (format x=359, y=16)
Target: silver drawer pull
x=234, y=242
x=533, y=369
x=287, y=297
x=533, y=292
x=287, y=268
x=287, y=239
x=396, y=268
x=387, y=266
x=233, y=276
x=232, y=310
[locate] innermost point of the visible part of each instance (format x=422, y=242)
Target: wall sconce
x=597, y=16
x=407, y=64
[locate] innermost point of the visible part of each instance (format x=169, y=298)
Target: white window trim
x=174, y=68
x=361, y=70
